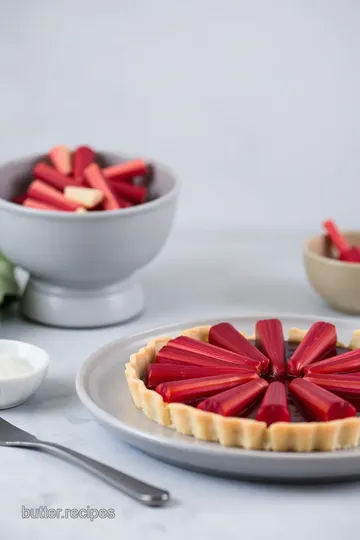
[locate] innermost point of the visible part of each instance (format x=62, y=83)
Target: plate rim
x=104, y=417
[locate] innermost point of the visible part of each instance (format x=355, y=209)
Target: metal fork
x=11, y=435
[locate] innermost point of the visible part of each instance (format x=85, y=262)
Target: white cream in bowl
x=23, y=367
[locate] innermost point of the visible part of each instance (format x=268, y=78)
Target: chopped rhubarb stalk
x=273, y=407
x=226, y=336
x=174, y=355
x=336, y=237
x=83, y=156
x=96, y=180
x=19, y=199
x=135, y=194
x=320, y=404
x=88, y=197
x=194, y=389
x=160, y=373
x=207, y=349
x=61, y=159
x=46, y=173
x=318, y=343
x=42, y=192
x=353, y=255
x=343, y=363
x=236, y=401
x=270, y=340
x=346, y=386
x=38, y=205
x=347, y=252
x=123, y=203
x=126, y=171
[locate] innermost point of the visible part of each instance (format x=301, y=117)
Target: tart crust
x=235, y=431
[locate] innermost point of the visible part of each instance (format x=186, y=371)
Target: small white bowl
x=16, y=389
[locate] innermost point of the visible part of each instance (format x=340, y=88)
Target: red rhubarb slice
x=353, y=255
x=320, y=404
x=42, y=192
x=318, y=343
x=226, y=336
x=207, y=349
x=159, y=373
x=46, y=173
x=193, y=389
x=83, y=156
x=61, y=159
x=126, y=171
x=346, y=386
x=123, y=203
x=174, y=355
x=270, y=340
x=343, y=363
x=347, y=252
x=236, y=401
x=135, y=194
x=38, y=205
x=274, y=407
x=95, y=179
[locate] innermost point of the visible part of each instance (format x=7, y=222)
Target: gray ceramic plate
x=102, y=388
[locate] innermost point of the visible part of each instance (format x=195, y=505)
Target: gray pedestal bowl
x=83, y=267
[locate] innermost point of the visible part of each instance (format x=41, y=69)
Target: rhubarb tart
x=260, y=392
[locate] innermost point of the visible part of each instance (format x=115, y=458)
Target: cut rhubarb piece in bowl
x=207, y=349
x=61, y=158
x=95, y=179
x=235, y=401
x=270, y=340
x=320, y=404
x=347, y=252
x=224, y=335
x=83, y=156
x=125, y=172
x=194, y=389
x=274, y=406
x=318, y=343
x=49, y=175
x=42, y=192
x=122, y=202
x=38, y=205
x=84, y=268
x=135, y=194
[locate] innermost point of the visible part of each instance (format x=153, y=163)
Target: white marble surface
x=196, y=275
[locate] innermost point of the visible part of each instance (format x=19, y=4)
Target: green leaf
x=9, y=288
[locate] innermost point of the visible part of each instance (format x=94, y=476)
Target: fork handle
x=142, y=492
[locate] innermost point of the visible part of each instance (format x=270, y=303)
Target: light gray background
x=254, y=103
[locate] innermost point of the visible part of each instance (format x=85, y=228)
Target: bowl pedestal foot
x=55, y=305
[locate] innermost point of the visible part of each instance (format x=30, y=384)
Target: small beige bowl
x=338, y=283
